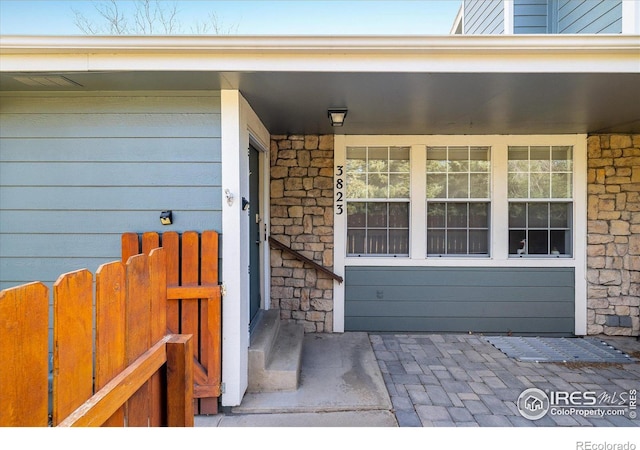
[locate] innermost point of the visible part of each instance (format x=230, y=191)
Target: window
x=458, y=200
x=540, y=186
x=377, y=194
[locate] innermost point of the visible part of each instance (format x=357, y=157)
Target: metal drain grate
x=539, y=349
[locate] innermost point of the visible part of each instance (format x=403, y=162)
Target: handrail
x=297, y=255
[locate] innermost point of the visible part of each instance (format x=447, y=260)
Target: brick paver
x=462, y=380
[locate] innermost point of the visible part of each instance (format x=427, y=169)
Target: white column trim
x=580, y=232
x=234, y=322
x=339, y=235
x=418, y=203
x=630, y=17
x=508, y=16
x=239, y=126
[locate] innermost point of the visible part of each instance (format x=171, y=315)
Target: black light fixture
x=166, y=218
x=336, y=116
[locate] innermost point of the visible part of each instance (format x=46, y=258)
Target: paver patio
x=462, y=380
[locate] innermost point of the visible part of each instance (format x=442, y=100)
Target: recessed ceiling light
x=47, y=81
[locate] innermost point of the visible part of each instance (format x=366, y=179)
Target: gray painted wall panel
x=77, y=171
x=459, y=299
x=446, y=325
x=589, y=16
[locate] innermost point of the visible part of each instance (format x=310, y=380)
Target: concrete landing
x=340, y=386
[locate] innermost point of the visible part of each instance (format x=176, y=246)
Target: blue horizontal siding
x=453, y=299
x=530, y=17
x=76, y=171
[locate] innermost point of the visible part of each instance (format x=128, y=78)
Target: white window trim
x=499, y=225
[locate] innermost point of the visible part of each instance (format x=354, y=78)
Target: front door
x=254, y=232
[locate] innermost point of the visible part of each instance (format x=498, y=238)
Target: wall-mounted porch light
x=336, y=116
x=166, y=217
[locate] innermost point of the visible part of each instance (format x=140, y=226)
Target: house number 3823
x=339, y=188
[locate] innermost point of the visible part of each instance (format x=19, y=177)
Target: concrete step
x=275, y=354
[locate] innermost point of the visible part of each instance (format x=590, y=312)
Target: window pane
x=377, y=215
x=399, y=186
x=436, y=186
x=478, y=242
x=561, y=184
x=518, y=185
x=457, y=215
x=355, y=240
x=540, y=185
x=436, y=159
x=435, y=215
x=399, y=159
x=378, y=159
x=479, y=185
x=538, y=243
x=479, y=159
x=517, y=242
x=560, y=215
x=538, y=215
x=398, y=242
x=356, y=159
x=356, y=214
x=560, y=242
x=518, y=159
x=458, y=186
x=478, y=215
x=435, y=242
x=562, y=159
x=378, y=184
x=377, y=241
x=356, y=186
x=456, y=242
x=540, y=159
x=517, y=215
x=458, y=159
x=398, y=215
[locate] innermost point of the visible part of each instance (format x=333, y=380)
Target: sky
x=255, y=17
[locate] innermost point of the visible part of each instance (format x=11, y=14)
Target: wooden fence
x=142, y=376
x=194, y=302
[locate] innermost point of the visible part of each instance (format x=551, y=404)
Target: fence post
x=180, y=381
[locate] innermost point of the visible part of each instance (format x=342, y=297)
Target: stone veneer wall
x=613, y=234
x=302, y=218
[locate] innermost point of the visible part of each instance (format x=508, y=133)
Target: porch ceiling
x=406, y=103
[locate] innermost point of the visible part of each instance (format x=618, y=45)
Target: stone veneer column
x=302, y=218
x=613, y=240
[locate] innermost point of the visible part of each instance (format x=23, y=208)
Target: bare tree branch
x=148, y=17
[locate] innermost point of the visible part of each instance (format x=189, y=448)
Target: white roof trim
x=451, y=53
